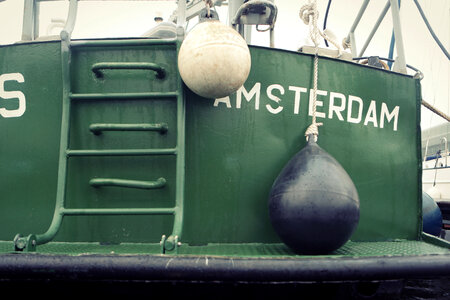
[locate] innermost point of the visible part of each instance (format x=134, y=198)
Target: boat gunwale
x=33, y=266
x=81, y=40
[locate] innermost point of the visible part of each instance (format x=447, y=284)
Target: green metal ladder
x=170, y=243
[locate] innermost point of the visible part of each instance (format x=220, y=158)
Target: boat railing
x=30, y=25
x=350, y=40
x=440, y=157
x=242, y=15
x=425, y=156
x=444, y=141
x=254, y=12
x=400, y=62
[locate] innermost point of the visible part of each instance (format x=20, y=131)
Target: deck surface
x=350, y=249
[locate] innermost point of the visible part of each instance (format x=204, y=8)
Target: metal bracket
x=203, y=15
x=256, y=12
x=169, y=244
x=27, y=244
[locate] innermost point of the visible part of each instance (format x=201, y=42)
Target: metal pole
x=400, y=62
x=375, y=28
x=351, y=37
x=353, y=44
x=29, y=22
x=64, y=140
x=71, y=17
x=37, y=9
x=245, y=31
x=233, y=7
x=181, y=18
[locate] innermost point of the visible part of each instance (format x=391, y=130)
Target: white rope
x=208, y=4
x=310, y=10
x=309, y=14
x=346, y=44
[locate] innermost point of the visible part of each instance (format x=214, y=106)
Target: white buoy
x=214, y=60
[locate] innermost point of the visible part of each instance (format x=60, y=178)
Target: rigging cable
x=391, y=49
x=435, y=110
x=431, y=30
x=325, y=20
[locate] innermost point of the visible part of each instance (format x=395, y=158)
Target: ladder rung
x=124, y=152
x=99, y=67
x=98, y=128
x=137, y=184
x=127, y=42
x=117, y=211
x=67, y=45
x=114, y=96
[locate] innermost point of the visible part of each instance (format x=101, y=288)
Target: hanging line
x=431, y=30
x=309, y=14
x=436, y=111
x=310, y=10
x=208, y=4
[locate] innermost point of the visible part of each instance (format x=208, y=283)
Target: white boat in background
x=436, y=168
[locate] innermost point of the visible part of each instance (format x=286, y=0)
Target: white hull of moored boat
x=436, y=183
x=436, y=179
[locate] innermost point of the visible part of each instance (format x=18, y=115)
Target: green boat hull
x=234, y=149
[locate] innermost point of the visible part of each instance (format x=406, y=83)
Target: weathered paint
x=239, y=151
x=234, y=148
x=214, y=60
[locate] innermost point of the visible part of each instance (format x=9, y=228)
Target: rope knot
x=346, y=44
x=307, y=13
x=313, y=129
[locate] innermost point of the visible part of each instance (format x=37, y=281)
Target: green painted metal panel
x=243, y=147
x=128, y=94
x=29, y=155
x=234, y=148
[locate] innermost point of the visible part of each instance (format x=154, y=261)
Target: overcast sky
x=114, y=19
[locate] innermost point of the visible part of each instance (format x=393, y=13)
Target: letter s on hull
x=12, y=95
